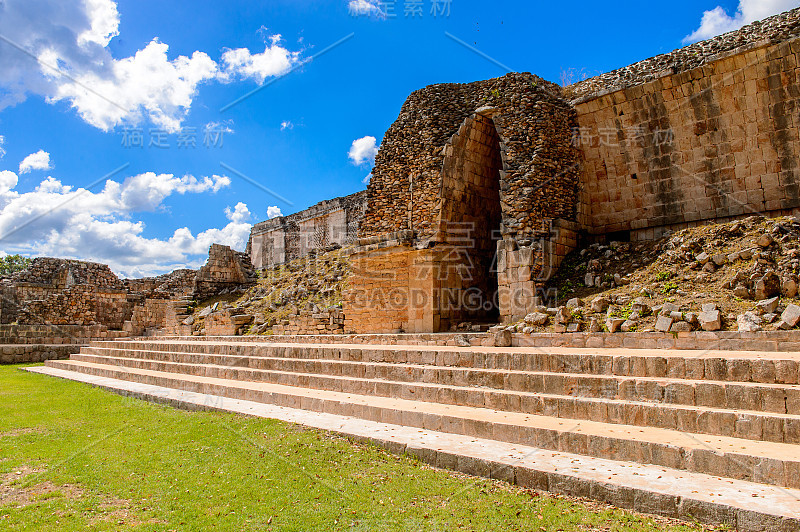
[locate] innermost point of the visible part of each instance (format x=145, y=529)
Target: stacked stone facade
x=708, y=132
x=285, y=238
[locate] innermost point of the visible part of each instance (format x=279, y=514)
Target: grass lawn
x=73, y=457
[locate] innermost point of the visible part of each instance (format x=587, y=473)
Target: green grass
x=92, y=460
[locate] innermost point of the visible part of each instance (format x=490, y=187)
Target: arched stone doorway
x=469, y=223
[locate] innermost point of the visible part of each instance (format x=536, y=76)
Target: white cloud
x=35, y=161
x=363, y=150
x=286, y=124
x=239, y=214
x=70, y=40
x=367, y=179
x=2, y=144
x=273, y=61
x=273, y=212
x=8, y=180
x=372, y=8
x=56, y=220
x=103, y=21
x=717, y=21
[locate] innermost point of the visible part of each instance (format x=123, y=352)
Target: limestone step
x=776, y=398
x=734, y=366
x=739, y=459
x=665, y=404
x=424, y=339
x=742, y=505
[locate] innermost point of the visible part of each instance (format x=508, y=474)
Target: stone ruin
x=326, y=225
x=479, y=190
x=70, y=301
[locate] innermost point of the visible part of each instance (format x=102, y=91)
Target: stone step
x=425, y=339
x=742, y=366
x=775, y=398
x=742, y=505
x=771, y=463
x=508, y=391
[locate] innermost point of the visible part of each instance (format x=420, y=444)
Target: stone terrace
x=704, y=435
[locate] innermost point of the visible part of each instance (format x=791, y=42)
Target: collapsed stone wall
x=706, y=133
x=225, y=270
x=62, y=291
x=286, y=238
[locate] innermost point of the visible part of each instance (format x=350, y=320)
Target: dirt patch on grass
x=22, y=432
x=19, y=488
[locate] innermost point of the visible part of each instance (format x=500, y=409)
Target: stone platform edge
x=780, y=341
x=773, y=341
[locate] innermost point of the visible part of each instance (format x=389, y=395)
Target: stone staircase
x=706, y=435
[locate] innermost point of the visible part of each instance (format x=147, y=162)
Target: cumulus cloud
x=273, y=212
x=363, y=150
x=35, y=161
x=369, y=8
x=8, y=180
x=58, y=220
x=239, y=214
x=60, y=52
x=273, y=61
x=717, y=21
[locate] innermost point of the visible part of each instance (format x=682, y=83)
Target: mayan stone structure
x=464, y=171
x=63, y=292
x=479, y=190
x=285, y=238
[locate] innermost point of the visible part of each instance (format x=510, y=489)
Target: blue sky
x=81, y=79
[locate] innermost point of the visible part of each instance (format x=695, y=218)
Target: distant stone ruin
x=70, y=301
x=285, y=238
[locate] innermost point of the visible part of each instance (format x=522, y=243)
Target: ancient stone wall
x=63, y=273
x=64, y=292
x=324, y=321
x=79, y=305
x=706, y=133
x=173, y=284
x=149, y=314
x=286, y=238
